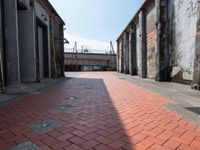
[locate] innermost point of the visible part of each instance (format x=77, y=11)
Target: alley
x=95, y=111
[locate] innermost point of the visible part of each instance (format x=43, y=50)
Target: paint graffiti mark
x=193, y=8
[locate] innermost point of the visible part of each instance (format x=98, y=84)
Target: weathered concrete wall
x=11, y=42
x=151, y=39
x=183, y=41
x=61, y=49
x=27, y=55
x=196, y=77
x=167, y=40
x=118, y=57
x=1, y=44
x=142, y=41
x=132, y=51
x=126, y=52
x=57, y=48
x=121, y=57
x=139, y=52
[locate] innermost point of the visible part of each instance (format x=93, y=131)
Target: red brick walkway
x=108, y=113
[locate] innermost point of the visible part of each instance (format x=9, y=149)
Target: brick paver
x=105, y=113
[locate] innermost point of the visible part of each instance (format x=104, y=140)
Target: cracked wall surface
x=167, y=40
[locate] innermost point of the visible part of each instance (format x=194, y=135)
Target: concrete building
x=162, y=42
x=33, y=41
x=90, y=61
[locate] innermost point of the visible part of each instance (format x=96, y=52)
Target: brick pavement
x=96, y=111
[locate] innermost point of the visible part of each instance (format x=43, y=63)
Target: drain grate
x=195, y=110
x=25, y=146
x=62, y=108
x=45, y=125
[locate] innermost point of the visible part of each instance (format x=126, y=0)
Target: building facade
x=161, y=42
x=33, y=41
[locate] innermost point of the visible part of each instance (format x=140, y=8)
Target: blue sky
x=93, y=23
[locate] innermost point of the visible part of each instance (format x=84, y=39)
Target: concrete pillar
x=196, y=76
x=27, y=45
x=132, y=52
x=11, y=42
x=162, y=46
x=121, y=56
x=118, y=56
x=142, y=30
x=1, y=34
x=126, y=53
x=62, y=49
x=1, y=48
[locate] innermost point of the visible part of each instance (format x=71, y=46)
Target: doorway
x=42, y=54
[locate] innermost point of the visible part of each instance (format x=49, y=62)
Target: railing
x=71, y=50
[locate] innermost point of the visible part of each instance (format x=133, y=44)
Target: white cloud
x=87, y=43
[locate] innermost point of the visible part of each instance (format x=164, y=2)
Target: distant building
x=90, y=61
x=32, y=41
x=162, y=42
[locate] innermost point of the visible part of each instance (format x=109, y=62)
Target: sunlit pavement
x=95, y=111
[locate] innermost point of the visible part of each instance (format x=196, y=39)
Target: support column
x=27, y=47
x=1, y=49
x=11, y=42
x=196, y=77
x=126, y=53
x=118, y=51
x=121, y=57
x=143, y=47
x=132, y=52
x=162, y=46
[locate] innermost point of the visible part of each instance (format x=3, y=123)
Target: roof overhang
x=145, y=3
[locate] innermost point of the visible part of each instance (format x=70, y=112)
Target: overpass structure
x=83, y=61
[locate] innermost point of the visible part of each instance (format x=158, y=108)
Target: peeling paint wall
x=139, y=55
x=174, y=55
x=151, y=38
x=121, y=65
x=183, y=40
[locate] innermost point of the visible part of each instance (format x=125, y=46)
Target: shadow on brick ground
x=91, y=122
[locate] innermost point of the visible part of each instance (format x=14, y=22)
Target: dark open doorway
x=42, y=54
